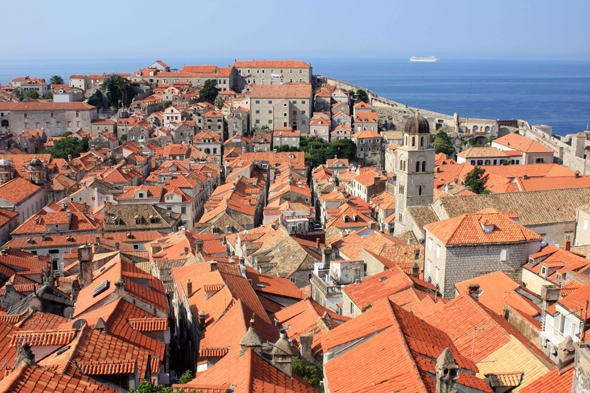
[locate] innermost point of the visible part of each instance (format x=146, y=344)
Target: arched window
x=421, y=141
x=419, y=190
x=423, y=166
x=4, y=123
x=413, y=141
x=417, y=166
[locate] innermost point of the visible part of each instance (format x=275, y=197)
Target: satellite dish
x=68, y=312
x=79, y=323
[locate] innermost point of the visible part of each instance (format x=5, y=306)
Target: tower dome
x=417, y=125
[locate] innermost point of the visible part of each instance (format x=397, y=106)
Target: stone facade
x=281, y=106
x=273, y=72
x=53, y=118
x=446, y=265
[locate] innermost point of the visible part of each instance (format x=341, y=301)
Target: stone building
x=273, y=72
x=285, y=136
x=369, y=147
x=53, y=118
x=582, y=227
x=288, y=105
x=414, y=170
x=475, y=244
x=237, y=122
x=213, y=121
x=320, y=128
x=532, y=151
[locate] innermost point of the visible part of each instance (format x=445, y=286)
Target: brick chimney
x=189, y=287
x=85, y=265
x=199, y=245
x=120, y=287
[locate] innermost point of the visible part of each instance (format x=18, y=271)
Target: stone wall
x=522, y=325
x=456, y=264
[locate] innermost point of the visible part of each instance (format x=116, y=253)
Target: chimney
x=213, y=265
x=473, y=290
x=186, y=250
x=567, y=245
x=447, y=373
x=525, y=176
x=317, y=243
x=326, y=253
x=97, y=239
x=415, y=270
x=199, y=244
x=577, y=174
x=251, y=340
x=85, y=265
x=117, y=246
x=34, y=302
x=24, y=355
x=189, y=287
x=43, y=238
x=549, y=295
x=201, y=319
x=305, y=343
x=120, y=287
x=282, y=356
x=242, y=267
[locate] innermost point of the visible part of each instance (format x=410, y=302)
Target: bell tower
x=414, y=170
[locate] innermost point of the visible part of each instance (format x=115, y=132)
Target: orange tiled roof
x=366, y=134
x=468, y=229
x=521, y=143
x=555, y=381
x=31, y=379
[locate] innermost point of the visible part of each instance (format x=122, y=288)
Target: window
x=257, y=111
x=423, y=166
x=351, y=308
x=269, y=101
x=543, y=270
x=438, y=250
x=258, y=101
x=270, y=111
x=419, y=190
x=183, y=210
x=539, y=161
x=505, y=255
x=585, y=224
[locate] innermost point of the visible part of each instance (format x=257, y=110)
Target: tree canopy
x=56, y=80
x=31, y=94
x=443, y=143
x=308, y=373
x=363, y=96
x=209, y=91
x=219, y=102
x=118, y=90
x=317, y=151
x=474, y=180
x=95, y=100
x=62, y=148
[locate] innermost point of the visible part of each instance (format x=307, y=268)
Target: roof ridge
x=396, y=325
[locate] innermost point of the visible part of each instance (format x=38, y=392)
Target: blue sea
x=541, y=92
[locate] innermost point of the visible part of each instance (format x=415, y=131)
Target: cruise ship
x=427, y=59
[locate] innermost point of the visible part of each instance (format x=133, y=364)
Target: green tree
x=118, y=89
x=123, y=139
x=219, y=102
x=209, y=91
x=167, y=104
x=186, y=377
x=31, y=94
x=148, y=387
x=62, y=148
x=443, y=144
x=363, y=96
x=308, y=373
x=474, y=180
x=56, y=80
x=95, y=100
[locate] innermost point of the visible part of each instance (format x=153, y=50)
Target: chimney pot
x=213, y=265
x=189, y=287
x=473, y=290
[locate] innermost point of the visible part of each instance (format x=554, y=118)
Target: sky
x=250, y=29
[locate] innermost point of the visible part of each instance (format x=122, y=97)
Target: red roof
x=521, y=143
x=299, y=90
x=272, y=64
x=17, y=189
x=366, y=134
x=470, y=229
x=555, y=381
x=31, y=379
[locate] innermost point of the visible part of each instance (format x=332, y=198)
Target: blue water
x=552, y=93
